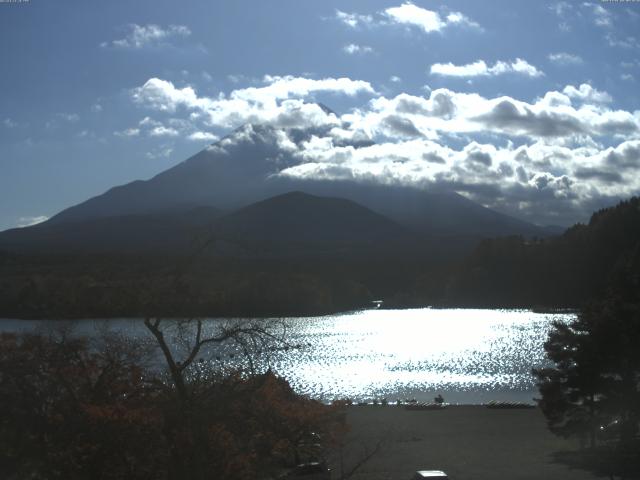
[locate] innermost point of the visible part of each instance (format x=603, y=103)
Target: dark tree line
x=564, y=271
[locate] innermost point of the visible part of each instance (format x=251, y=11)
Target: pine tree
x=596, y=378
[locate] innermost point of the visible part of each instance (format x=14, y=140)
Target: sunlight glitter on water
x=469, y=356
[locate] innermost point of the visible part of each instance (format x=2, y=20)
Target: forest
x=563, y=271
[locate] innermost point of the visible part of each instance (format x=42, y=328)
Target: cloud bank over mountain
x=547, y=160
x=452, y=95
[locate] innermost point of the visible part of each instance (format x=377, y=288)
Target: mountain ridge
x=243, y=168
x=310, y=223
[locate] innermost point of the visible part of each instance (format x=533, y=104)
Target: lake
x=468, y=356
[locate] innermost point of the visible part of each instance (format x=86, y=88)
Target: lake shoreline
x=533, y=309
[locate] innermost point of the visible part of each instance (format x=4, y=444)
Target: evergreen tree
x=596, y=378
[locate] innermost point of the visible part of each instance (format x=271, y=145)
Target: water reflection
x=470, y=356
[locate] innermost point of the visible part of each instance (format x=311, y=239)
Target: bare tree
x=251, y=337
x=185, y=345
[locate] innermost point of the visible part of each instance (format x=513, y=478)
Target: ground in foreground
x=467, y=442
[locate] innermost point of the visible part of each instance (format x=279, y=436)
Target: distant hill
x=294, y=223
x=300, y=221
x=431, y=213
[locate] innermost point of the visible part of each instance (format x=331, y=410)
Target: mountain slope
x=430, y=213
x=150, y=233
x=224, y=175
x=300, y=218
x=242, y=168
x=291, y=223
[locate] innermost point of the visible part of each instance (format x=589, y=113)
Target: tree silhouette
x=572, y=390
x=596, y=378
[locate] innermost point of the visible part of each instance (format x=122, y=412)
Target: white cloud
x=538, y=181
x=478, y=68
x=519, y=66
x=281, y=102
x=625, y=42
x=395, y=79
x=164, y=151
x=481, y=69
x=280, y=88
x=162, y=131
x=29, y=221
x=153, y=128
x=552, y=118
x=457, y=18
x=203, y=136
x=163, y=95
x=354, y=20
x=586, y=93
x=129, y=132
x=563, y=58
x=409, y=15
x=602, y=17
x=141, y=36
x=8, y=123
x=554, y=157
x=627, y=77
x=353, y=49
x=427, y=20
x=278, y=101
x=96, y=108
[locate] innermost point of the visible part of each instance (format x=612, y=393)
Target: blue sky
x=528, y=107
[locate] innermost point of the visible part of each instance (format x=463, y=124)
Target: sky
x=528, y=107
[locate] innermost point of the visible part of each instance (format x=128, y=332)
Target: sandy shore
x=468, y=442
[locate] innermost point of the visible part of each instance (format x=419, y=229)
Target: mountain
x=292, y=223
x=430, y=213
x=241, y=169
x=228, y=174
x=294, y=253
x=297, y=217
x=150, y=233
